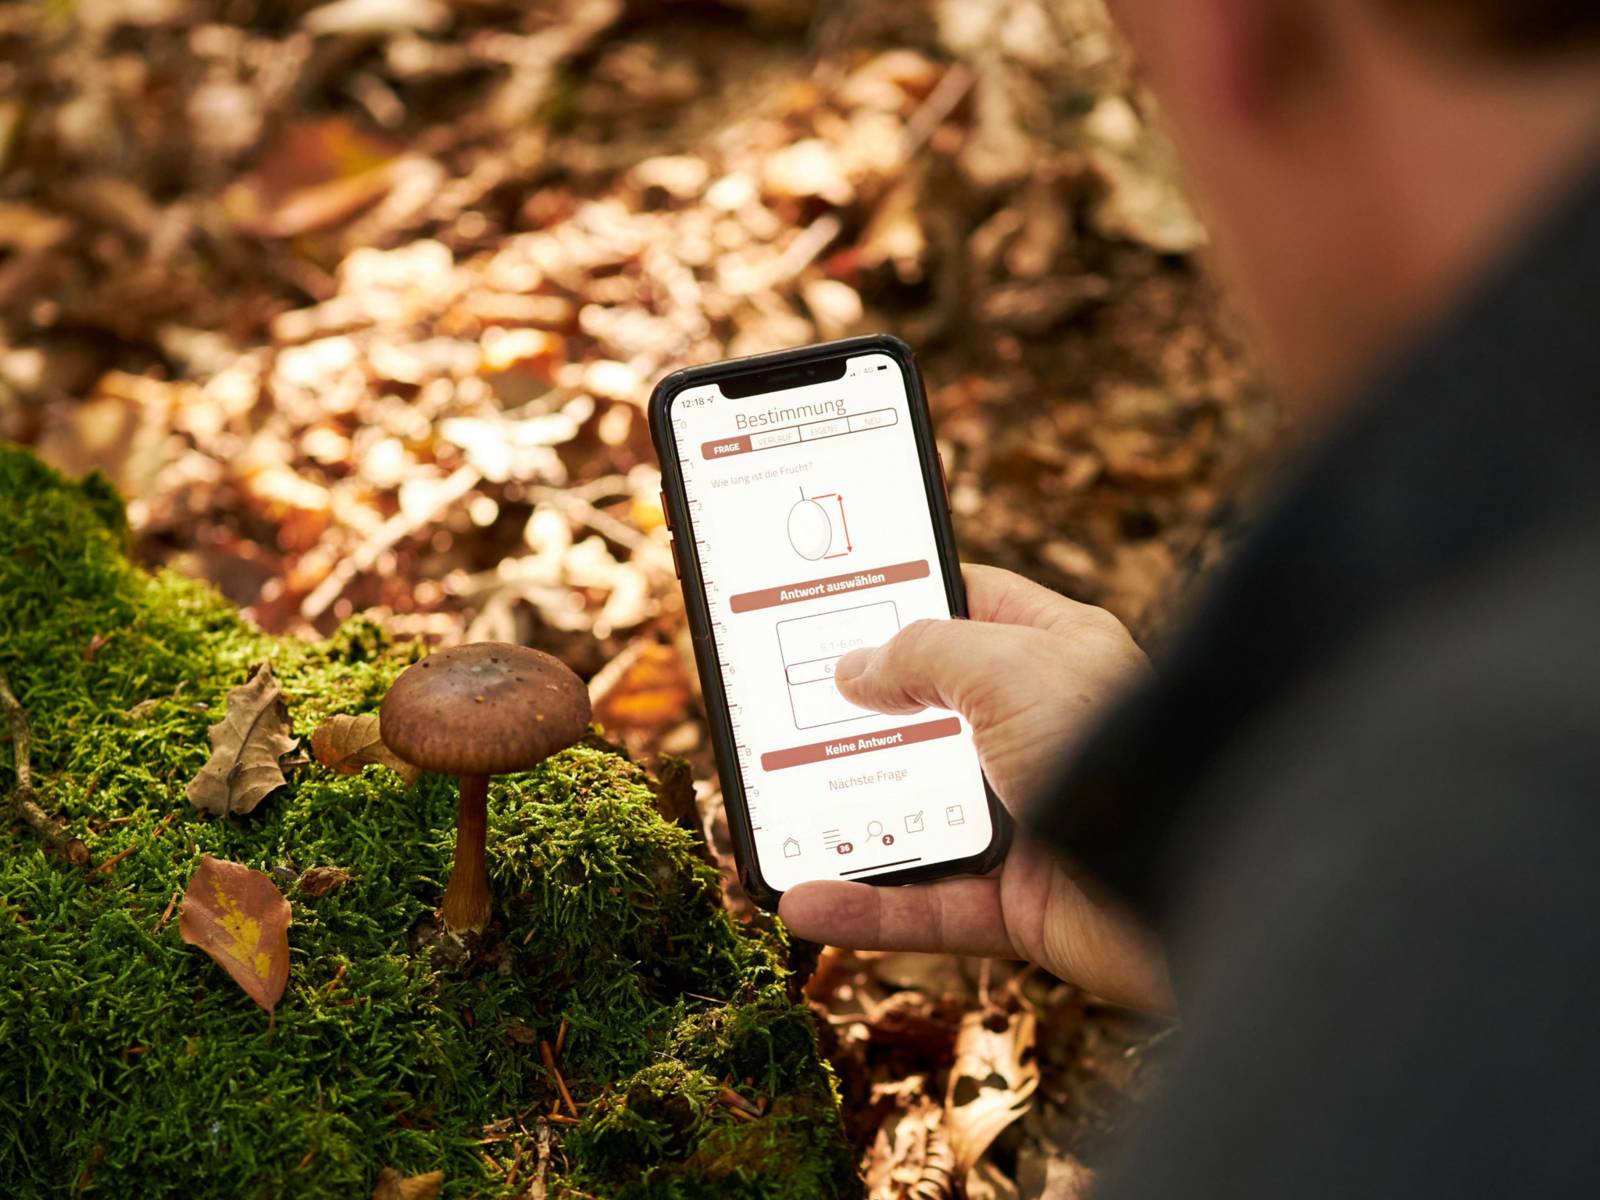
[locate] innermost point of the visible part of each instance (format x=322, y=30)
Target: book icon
x=953, y=815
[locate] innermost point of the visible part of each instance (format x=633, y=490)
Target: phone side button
x=697, y=627
x=666, y=513
x=944, y=480
x=677, y=567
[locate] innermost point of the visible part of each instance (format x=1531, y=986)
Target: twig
x=105, y=867
x=550, y=1065
x=516, y=1165
x=23, y=795
x=951, y=89
x=738, y=1103
x=1151, y=1042
x=583, y=512
x=536, y=1190
x=385, y=537
x=111, y=862
x=166, y=912
x=802, y=251
x=561, y=1036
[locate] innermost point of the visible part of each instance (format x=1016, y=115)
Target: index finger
x=955, y=916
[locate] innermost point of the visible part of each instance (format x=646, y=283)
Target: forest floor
x=359, y=303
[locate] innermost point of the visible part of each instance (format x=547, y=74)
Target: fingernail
x=852, y=664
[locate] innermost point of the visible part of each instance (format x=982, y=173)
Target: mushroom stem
x=466, y=899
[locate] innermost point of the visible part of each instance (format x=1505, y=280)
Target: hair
x=1516, y=27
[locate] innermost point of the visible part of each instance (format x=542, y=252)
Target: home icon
x=791, y=848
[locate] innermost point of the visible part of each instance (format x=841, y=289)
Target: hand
x=1029, y=672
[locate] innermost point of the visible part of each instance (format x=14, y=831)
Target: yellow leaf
x=238, y=917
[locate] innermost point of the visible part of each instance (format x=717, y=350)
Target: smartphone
x=806, y=502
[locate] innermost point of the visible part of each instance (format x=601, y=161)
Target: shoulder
x=1494, y=675
x=1387, y=954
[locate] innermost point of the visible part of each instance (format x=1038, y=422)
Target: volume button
x=677, y=565
x=666, y=514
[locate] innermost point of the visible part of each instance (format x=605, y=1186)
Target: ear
x=1250, y=59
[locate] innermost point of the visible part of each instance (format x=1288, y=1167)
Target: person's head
x=1359, y=161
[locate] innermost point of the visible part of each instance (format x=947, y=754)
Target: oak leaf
x=245, y=747
x=238, y=917
x=394, y=1186
x=348, y=743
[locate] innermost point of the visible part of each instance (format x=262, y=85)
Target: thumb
x=950, y=664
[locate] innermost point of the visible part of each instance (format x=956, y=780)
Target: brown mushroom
x=476, y=711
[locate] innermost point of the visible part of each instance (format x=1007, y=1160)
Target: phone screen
x=811, y=521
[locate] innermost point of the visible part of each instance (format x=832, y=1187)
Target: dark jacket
x=1362, y=799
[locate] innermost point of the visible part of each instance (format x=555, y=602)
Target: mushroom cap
x=485, y=709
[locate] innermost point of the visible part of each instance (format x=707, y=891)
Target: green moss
x=133, y=1066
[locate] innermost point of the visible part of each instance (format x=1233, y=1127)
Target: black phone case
x=688, y=564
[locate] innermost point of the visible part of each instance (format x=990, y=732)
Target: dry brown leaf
x=644, y=688
x=991, y=1083
x=238, y=917
x=1053, y=1174
x=245, y=747
x=319, y=173
x=934, y=974
x=394, y=1186
x=319, y=881
x=366, y=17
x=521, y=1034
x=988, y=1182
x=910, y=1158
x=1143, y=199
x=348, y=743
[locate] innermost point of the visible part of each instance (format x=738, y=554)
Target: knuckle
x=914, y=641
x=1108, y=632
x=1106, y=623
